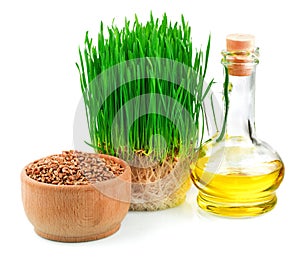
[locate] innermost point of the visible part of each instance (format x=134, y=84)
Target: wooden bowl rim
x=127, y=171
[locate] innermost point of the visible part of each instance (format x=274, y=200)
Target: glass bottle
x=236, y=173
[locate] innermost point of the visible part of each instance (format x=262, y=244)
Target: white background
x=40, y=91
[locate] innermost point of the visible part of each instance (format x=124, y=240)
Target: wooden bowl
x=77, y=213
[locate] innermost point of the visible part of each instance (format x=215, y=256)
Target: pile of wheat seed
x=73, y=168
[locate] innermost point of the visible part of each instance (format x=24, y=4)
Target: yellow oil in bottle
x=237, y=190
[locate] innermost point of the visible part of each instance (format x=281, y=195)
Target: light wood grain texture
x=77, y=213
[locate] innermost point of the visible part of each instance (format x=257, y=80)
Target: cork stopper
x=240, y=42
x=240, y=62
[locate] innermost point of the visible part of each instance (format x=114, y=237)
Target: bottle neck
x=241, y=112
x=241, y=68
x=240, y=60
